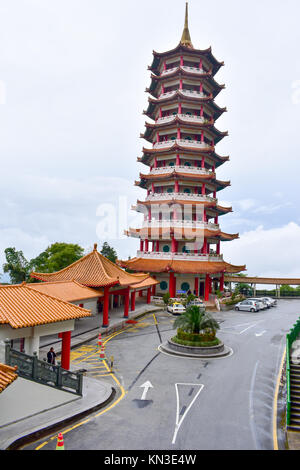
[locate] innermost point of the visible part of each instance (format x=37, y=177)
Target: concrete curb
x=33, y=436
x=165, y=348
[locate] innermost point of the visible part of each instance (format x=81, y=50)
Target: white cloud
x=267, y=252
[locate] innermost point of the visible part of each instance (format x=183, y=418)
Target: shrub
x=200, y=344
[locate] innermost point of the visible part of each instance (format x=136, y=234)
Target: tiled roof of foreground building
x=194, y=267
x=66, y=290
x=7, y=376
x=22, y=306
x=94, y=270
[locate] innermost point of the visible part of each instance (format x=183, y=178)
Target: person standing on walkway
x=51, y=356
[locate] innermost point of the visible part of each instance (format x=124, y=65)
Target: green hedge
x=200, y=344
x=195, y=337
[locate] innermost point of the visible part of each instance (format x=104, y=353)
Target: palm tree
x=196, y=319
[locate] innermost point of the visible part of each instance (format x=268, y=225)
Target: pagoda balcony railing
x=182, y=168
x=184, y=67
x=181, y=224
x=184, y=117
x=198, y=94
x=182, y=196
x=184, y=142
x=167, y=94
x=193, y=69
x=180, y=256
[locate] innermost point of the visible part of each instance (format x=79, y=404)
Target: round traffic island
x=178, y=348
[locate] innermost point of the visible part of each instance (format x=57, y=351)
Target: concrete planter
x=196, y=350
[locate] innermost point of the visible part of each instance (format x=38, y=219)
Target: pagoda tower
x=180, y=240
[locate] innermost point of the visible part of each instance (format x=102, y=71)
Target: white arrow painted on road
x=261, y=333
x=180, y=421
x=146, y=386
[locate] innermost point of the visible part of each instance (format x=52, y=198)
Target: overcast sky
x=73, y=75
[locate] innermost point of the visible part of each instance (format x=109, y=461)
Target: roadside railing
x=32, y=368
x=290, y=338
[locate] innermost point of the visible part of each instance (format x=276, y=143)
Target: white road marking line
x=146, y=387
x=261, y=333
x=180, y=421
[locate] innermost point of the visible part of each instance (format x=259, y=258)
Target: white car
x=248, y=306
x=176, y=308
x=273, y=302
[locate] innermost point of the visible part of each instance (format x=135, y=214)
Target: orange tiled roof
x=93, y=270
x=22, y=306
x=179, y=266
x=66, y=290
x=7, y=375
x=150, y=281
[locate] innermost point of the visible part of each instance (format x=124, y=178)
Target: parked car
x=262, y=305
x=248, y=305
x=176, y=308
x=273, y=302
x=198, y=302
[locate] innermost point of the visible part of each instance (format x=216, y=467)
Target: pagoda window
x=187, y=164
x=166, y=248
x=187, y=190
x=171, y=164
x=163, y=285
x=169, y=190
x=185, y=286
x=185, y=249
x=173, y=137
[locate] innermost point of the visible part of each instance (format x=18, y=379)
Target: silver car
x=273, y=302
x=261, y=304
x=247, y=305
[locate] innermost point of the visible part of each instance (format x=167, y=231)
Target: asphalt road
x=214, y=404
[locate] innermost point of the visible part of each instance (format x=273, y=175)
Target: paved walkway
x=51, y=407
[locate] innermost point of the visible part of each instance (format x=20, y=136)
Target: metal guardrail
x=290, y=338
x=32, y=368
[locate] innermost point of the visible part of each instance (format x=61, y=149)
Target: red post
x=173, y=244
x=177, y=160
x=126, y=303
x=157, y=245
x=146, y=245
x=132, y=303
x=178, y=134
x=206, y=291
x=105, y=307
x=218, y=247
x=65, y=350
x=172, y=285
x=141, y=245
x=148, y=295
x=222, y=282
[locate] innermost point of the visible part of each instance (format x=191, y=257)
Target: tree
x=196, y=319
x=109, y=252
x=16, y=265
x=56, y=257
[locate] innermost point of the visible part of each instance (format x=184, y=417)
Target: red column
x=105, y=307
x=216, y=220
x=176, y=186
x=173, y=244
x=201, y=110
x=222, y=282
x=177, y=160
x=141, y=245
x=148, y=295
x=65, y=349
x=126, y=303
x=203, y=162
x=140, y=293
x=196, y=286
x=172, y=285
x=146, y=245
x=181, y=61
x=206, y=291
x=132, y=303
x=178, y=134
x=180, y=84
x=155, y=162
x=157, y=245
x=218, y=248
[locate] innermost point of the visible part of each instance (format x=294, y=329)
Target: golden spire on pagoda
x=186, y=38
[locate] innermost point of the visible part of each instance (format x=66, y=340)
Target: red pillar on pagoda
x=126, y=303
x=132, y=301
x=65, y=349
x=105, y=307
x=222, y=282
x=207, y=283
x=148, y=295
x=172, y=284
